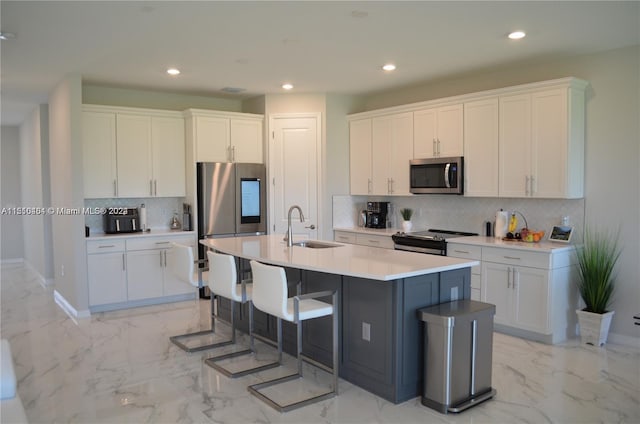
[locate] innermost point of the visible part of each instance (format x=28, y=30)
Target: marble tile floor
x=120, y=367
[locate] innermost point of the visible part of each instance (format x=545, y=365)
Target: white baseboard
x=12, y=261
x=68, y=309
x=43, y=281
x=621, y=339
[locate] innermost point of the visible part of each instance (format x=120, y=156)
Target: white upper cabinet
x=438, y=132
x=392, y=147
x=99, y=154
x=133, y=152
x=168, y=154
x=542, y=144
x=134, y=155
x=360, y=156
x=246, y=140
x=515, y=145
x=521, y=141
x=226, y=137
x=481, y=148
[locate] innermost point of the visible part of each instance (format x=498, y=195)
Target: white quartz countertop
x=364, y=230
x=345, y=259
x=160, y=232
x=542, y=246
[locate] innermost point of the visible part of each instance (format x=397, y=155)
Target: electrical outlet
x=366, y=331
x=62, y=270
x=454, y=293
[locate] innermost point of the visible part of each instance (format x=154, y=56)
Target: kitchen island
x=380, y=291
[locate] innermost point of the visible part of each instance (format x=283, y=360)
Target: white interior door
x=293, y=157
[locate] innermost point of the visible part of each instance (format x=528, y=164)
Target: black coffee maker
x=377, y=213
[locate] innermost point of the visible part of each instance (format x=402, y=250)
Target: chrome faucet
x=289, y=236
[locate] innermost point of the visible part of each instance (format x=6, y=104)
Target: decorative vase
x=406, y=226
x=594, y=328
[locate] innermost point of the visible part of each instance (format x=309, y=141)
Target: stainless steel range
x=432, y=241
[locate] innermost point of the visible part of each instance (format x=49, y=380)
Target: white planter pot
x=594, y=328
x=406, y=226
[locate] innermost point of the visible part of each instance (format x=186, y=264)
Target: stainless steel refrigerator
x=231, y=201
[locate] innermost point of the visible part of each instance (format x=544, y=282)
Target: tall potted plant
x=596, y=262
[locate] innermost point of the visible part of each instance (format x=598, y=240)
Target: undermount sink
x=314, y=244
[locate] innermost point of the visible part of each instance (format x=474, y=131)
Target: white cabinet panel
x=172, y=285
x=360, y=149
x=168, y=153
x=481, y=161
x=145, y=274
x=438, y=132
x=531, y=299
x=344, y=237
x=99, y=154
x=107, y=278
x=134, y=155
x=212, y=139
x=222, y=138
x=392, y=140
x=246, y=140
x=515, y=145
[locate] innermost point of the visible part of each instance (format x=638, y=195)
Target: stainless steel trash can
x=458, y=342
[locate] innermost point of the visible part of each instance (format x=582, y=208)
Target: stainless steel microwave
x=437, y=175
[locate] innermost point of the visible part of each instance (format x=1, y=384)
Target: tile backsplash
x=160, y=210
x=464, y=213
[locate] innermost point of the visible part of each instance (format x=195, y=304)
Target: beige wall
x=69, y=252
x=12, y=247
x=112, y=96
x=612, y=199
x=35, y=189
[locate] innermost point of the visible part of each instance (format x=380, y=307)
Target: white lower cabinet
x=521, y=295
x=461, y=251
x=107, y=278
x=531, y=287
x=133, y=271
x=145, y=274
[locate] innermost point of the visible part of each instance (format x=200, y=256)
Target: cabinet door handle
x=369, y=185
x=150, y=187
x=115, y=188
x=526, y=185
x=461, y=251
x=160, y=252
x=533, y=188
x=391, y=185
x=105, y=246
x=512, y=257
x=516, y=275
x=123, y=264
x=155, y=187
x=435, y=149
x=438, y=147
x=163, y=242
x=165, y=258
x=374, y=241
x=508, y=278
x=233, y=153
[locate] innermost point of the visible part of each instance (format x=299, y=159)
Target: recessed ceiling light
x=517, y=35
x=173, y=71
x=389, y=67
x=287, y=86
x=7, y=35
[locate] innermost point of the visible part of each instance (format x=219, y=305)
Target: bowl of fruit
x=531, y=236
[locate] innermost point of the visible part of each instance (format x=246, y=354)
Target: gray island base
x=379, y=290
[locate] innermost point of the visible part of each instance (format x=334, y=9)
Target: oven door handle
x=447, y=181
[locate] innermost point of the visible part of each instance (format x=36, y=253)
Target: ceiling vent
x=233, y=90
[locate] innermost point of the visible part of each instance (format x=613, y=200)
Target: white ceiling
x=333, y=47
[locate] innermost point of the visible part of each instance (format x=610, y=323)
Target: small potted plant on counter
x=406, y=219
x=596, y=262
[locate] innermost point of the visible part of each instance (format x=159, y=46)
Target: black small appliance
x=121, y=220
x=377, y=213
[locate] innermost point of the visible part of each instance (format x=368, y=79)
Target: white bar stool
x=223, y=279
x=181, y=264
x=270, y=296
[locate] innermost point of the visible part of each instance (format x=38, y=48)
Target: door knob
x=311, y=227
